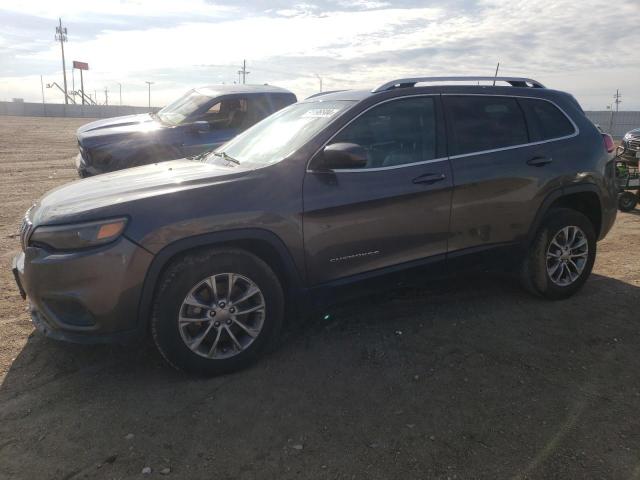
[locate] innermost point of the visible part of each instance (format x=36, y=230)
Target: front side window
x=546, y=121
x=228, y=113
x=480, y=123
x=395, y=133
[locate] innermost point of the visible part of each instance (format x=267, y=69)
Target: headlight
x=80, y=235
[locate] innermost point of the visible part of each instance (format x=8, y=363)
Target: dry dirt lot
x=463, y=379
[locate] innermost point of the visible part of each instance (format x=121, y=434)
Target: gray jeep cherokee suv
x=209, y=256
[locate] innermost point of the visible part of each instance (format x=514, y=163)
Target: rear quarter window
x=545, y=120
x=479, y=123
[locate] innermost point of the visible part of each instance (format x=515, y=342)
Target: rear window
x=480, y=123
x=546, y=121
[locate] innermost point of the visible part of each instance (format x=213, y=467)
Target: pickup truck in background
x=201, y=120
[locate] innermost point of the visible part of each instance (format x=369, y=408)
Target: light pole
x=319, y=78
x=149, y=83
x=61, y=35
x=120, y=86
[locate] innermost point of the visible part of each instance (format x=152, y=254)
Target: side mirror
x=200, y=126
x=343, y=156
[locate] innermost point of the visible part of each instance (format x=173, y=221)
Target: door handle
x=429, y=178
x=539, y=161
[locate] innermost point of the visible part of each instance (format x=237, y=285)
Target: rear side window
x=479, y=123
x=545, y=120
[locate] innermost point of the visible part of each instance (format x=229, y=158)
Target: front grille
x=26, y=228
x=634, y=143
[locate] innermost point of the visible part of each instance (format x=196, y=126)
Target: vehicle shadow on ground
x=470, y=378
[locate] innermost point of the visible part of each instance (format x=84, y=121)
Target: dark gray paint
x=311, y=217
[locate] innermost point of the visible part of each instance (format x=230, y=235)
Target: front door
x=393, y=210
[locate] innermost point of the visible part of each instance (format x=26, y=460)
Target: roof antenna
x=496, y=75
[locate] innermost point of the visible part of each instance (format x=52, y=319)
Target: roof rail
x=411, y=82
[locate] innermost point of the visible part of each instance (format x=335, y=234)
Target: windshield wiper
x=227, y=157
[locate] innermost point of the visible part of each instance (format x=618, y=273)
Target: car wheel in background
x=627, y=201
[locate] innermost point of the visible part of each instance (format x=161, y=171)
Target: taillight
x=608, y=143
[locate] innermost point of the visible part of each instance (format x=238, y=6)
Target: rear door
x=393, y=210
x=501, y=173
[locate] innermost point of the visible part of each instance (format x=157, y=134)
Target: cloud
x=354, y=44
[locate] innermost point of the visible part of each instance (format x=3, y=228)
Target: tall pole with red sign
x=81, y=66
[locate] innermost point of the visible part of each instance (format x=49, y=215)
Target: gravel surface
x=463, y=379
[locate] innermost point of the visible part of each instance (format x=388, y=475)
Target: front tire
x=216, y=311
x=561, y=257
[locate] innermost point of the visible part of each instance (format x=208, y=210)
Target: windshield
x=186, y=105
x=279, y=135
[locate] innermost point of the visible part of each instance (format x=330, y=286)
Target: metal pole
x=496, y=75
x=82, y=87
x=62, y=36
x=149, y=84
x=120, y=86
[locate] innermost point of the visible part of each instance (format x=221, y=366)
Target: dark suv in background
x=208, y=256
x=201, y=120
x=631, y=147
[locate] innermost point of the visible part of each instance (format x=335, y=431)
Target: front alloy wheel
x=217, y=310
x=222, y=315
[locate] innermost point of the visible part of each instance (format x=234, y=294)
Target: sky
x=587, y=47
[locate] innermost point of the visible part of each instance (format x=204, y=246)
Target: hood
x=129, y=123
x=77, y=199
x=635, y=132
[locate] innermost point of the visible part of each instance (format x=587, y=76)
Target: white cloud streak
x=576, y=46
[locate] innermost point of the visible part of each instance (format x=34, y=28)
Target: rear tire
x=201, y=326
x=561, y=256
x=627, y=201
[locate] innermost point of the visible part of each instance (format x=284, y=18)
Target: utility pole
x=149, y=83
x=617, y=100
x=496, y=74
x=244, y=72
x=61, y=35
x=120, y=86
x=319, y=78
x=106, y=96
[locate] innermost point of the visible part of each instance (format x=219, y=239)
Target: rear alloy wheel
x=567, y=255
x=561, y=256
x=216, y=311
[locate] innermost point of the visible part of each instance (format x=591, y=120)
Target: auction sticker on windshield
x=320, y=112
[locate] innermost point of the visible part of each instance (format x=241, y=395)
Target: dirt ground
x=463, y=379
